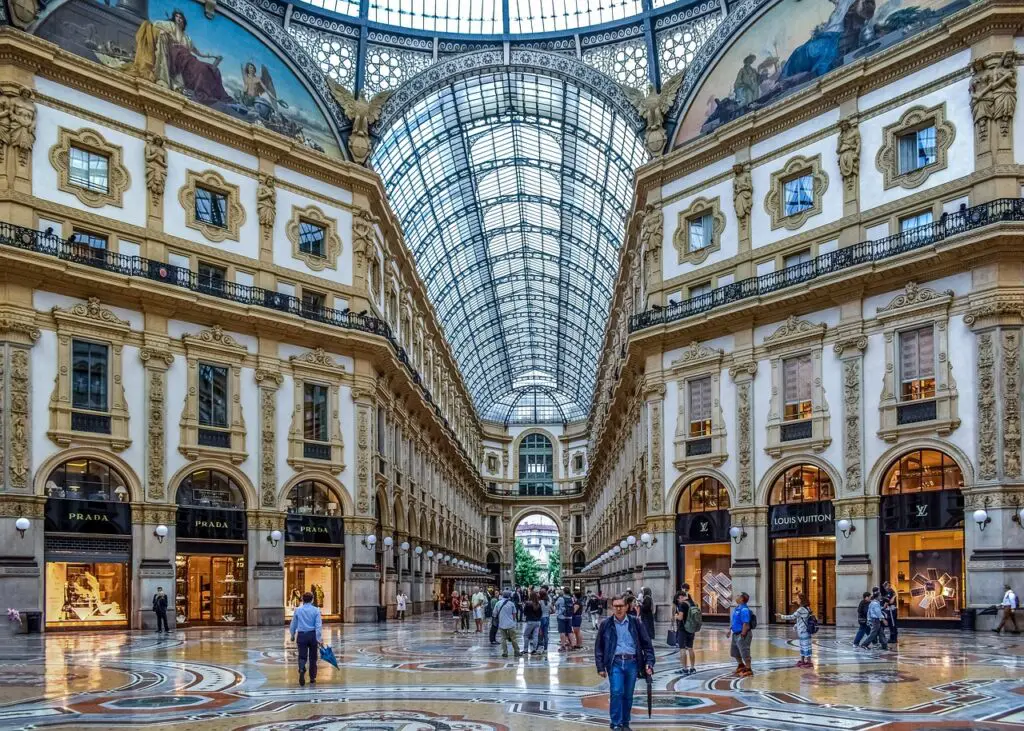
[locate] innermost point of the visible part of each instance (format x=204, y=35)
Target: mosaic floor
x=417, y=676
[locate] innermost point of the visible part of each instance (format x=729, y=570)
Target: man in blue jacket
x=622, y=648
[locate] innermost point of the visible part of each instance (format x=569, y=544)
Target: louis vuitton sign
x=211, y=524
x=802, y=519
x=710, y=527
x=926, y=510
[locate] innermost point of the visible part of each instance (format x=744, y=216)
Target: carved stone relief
x=986, y=408
x=156, y=170
x=851, y=413
x=1011, y=403
x=20, y=454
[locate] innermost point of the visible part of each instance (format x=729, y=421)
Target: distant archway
x=536, y=555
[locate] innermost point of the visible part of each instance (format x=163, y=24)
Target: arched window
x=210, y=489
x=536, y=465
x=803, y=483
x=87, y=479
x=313, y=498
x=703, y=495
x=579, y=560
x=921, y=471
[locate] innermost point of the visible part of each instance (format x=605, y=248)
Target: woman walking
x=456, y=614
x=577, y=621
x=647, y=610
x=802, y=616
x=531, y=634
x=464, y=611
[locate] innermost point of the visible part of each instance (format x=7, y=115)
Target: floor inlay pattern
x=418, y=676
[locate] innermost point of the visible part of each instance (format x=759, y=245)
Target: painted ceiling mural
x=212, y=61
x=792, y=44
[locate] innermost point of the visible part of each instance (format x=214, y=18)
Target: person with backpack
x=741, y=629
x=505, y=611
x=688, y=622
x=563, y=609
x=494, y=619
x=862, y=619
x=1009, y=606
x=876, y=621
x=806, y=625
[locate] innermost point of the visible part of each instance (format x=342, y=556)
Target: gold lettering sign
x=313, y=529
x=88, y=516
x=210, y=524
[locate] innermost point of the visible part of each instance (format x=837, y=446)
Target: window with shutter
x=797, y=379
x=917, y=364
x=700, y=406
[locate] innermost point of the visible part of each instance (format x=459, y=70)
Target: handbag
x=672, y=640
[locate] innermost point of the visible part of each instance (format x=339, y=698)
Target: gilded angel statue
x=362, y=113
x=653, y=106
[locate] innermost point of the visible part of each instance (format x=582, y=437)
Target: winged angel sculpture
x=362, y=114
x=653, y=106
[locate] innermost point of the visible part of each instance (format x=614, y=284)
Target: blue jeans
x=544, y=622
x=531, y=637
x=622, y=681
x=862, y=632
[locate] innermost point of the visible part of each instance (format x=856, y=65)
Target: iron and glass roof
x=512, y=185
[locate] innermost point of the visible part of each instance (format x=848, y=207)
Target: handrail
x=950, y=224
x=516, y=492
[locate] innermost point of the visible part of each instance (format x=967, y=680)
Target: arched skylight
x=512, y=187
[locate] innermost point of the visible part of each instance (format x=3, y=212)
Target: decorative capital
x=858, y=343
x=156, y=357
x=10, y=325
x=267, y=378
x=746, y=369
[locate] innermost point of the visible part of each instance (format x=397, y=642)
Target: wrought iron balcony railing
x=50, y=244
x=533, y=490
x=951, y=224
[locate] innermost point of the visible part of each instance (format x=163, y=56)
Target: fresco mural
x=795, y=42
x=212, y=61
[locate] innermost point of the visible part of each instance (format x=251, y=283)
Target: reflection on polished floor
x=417, y=677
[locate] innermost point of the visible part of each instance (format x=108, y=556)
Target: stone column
x=265, y=601
x=995, y=550
x=153, y=562
x=362, y=578
x=748, y=574
x=660, y=563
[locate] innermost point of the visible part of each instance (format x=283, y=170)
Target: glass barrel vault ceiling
x=512, y=188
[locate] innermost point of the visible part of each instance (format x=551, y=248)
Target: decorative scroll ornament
x=745, y=476
x=10, y=325
x=793, y=327
x=266, y=205
x=156, y=169
x=697, y=352
x=986, y=408
x=657, y=486
x=215, y=334
x=848, y=151
x=915, y=294
x=155, y=435
x=653, y=106
x=362, y=113
x=268, y=452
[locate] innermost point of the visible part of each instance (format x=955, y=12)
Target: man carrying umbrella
x=307, y=625
x=623, y=647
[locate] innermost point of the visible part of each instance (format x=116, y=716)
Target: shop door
x=200, y=589
x=810, y=576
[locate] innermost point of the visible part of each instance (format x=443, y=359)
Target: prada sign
x=710, y=527
x=211, y=524
x=314, y=529
x=914, y=511
x=88, y=516
x=802, y=519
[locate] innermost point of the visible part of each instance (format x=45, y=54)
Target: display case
x=210, y=589
x=86, y=595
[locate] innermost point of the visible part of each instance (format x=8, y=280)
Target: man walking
x=494, y=619
x=1009, y=605
x=564, y=610
x=740, y=629
x=622, y=647
x=890, y=602
x=479, y=600
x=862, y=619
x=307, y=626
x=505, y=611
x=400, y=602
x=875, y=621
x=160, y=609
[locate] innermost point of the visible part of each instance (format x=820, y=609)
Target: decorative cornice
x=915, y=295
x=213, y=336
x=795, y=329
x=697, y=354
x=11, y=325
x=317, y=357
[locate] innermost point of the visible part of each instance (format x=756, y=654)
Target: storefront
x=87, y=547
x=921, y=529
x=210, y=565
x=314, y=550
x=704, y=553
x=802, y=542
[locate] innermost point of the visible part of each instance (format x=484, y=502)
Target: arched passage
x=536, y=556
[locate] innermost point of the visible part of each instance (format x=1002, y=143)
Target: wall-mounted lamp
x=1018, y=512
x=631, y=541
x=623, y=546
x=369, y=542
x=616, y=550
x=388, y=542
x=404, y=546
x=22, y=525
x=981, y=518
x=846, y=527
x=430, y=554
x=160, y=532
x=738, y=533
x=274, y=538
x=648, y=540
x=419, y=550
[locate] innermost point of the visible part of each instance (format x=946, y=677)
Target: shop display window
x=702, y=495
x=928, y=571
x=86, y=479
x=312, y=498
x=802, y=484
x=86, y=594
x=316, y=575
x=707, y=571
x=923, y=470
x=804, y=566
x=209, y=590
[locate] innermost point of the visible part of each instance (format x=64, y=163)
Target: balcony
x=214, y=438
x=866, y=252
x=316, y=450
x=534, y=490
x=92, y=423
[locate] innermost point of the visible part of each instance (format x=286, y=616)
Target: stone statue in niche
x=742, y=193
x=848, y=150
x=994, y=93
x=266, y=205
x=156, y=167
x=23, y=124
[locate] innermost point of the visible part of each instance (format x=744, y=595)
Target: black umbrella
x=650, y=692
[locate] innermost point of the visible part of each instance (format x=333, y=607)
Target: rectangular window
x=211, y=278
x=211, y=207
x=917, y=364
x=908, y=223
x=798, y=195
x=312, y=302
x=88, y=245
x=492, y=526
x=800, y=257
x=917, y=150
x=577, y=525
x=88, y=170
x=700, y=406
x=311, y=238
x=315, y=412
x=699, y=289
x=701, y=230
x=89, y=379
x=213, y=396
x=797, y=377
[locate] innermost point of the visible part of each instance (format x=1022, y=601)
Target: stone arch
x=873, y=485
x=248, y=491
x=398, y=511
x=347, y=506
x=385, y=516
x=555, y=450
x=797, y=459
x=414, y=524
x=528, y=510
x=131, y=480
x=676, y=492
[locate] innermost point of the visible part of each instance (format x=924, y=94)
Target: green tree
x=555, y=566
x=527, y=570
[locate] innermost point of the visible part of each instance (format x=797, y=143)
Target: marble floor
x=417, y=676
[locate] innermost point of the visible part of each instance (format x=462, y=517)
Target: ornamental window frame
x=797, y=166
x=217, y=348
x=699, y=207
x=215, y=182
x=316, y=368
x=704, y=450
x=793, y=339
x=90, y=141
x=917, y=308
x=314, y=216
x=92, y=322
x=887, y=160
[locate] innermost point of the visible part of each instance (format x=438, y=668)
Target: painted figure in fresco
x=165, y=54
x=748, y=82
x=258, y=93
x=830, y=42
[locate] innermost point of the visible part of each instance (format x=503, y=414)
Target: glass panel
x=928, y=567
x=707, y=571
x=801, y=484
x=315, y=412
x=88, y=170
x=210, y=489
x=89, y=375
x=700, y=406
x=798, y=194
x=797, y=377
x=701, y=232
x=320, y=577
x=917, y=364
x=211, y=277
x=86, y=479
x=213, y=395
x=311, y=238
x=86, y=594
x=925, y=469
x=702, y=495
x=211, y=207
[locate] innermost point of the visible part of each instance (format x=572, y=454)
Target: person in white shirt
x=400, y=601
x=1009, y=606
x=478, y=602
